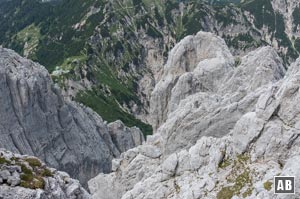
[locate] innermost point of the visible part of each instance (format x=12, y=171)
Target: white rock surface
x=227, y=141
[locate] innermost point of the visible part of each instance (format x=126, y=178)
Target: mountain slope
x=226, y=139
x=36, y=120
x=109, y=54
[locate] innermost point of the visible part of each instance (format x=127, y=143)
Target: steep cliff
x=225, y=141
x=36, y=120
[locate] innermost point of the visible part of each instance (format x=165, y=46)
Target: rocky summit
x=36, y=120
x=213, y=85
x=225, y=130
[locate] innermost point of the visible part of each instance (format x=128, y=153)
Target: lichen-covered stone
x=31, y=182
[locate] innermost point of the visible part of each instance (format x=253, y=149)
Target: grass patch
x=268, y=185
x=46, y=173
x=67, y=69
x=25, y=169
x=33, y=178
x=31, y=182
x=241, y=181
x=4, y=161
x=225, y=163
x=247, y=193
x=29, y=36
x=33, y=162
x=108, y=108
x=240, y=178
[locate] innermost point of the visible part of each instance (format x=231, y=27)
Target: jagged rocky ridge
x=36, y=120
x=227, y=130
x=113, y=51
x=241, y=26
x=28, y=177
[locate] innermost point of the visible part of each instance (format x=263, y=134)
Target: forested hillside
x=109, y=54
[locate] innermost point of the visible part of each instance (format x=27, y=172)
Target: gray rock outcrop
x=228, y=141
x=36, y=120
x=200, y=100
x=27, y=177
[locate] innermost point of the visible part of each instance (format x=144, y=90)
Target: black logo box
x=284, y=182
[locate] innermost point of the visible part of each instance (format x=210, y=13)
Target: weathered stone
x=234, y=136
x=14, y=179
x=4, y=174
x=52, y=184
x=150, y=151
x=123, y=137
x=170, y=164
x=36, y=120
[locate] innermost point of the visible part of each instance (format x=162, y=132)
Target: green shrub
x=33, y=183
x=33, y=162
x=268, y=185
x=46, y=173
x=4, y=161
x=25, y=169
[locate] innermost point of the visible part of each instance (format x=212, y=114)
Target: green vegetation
x=110, y=110
x=297, y=44
x=263, y=13
x=225, y=163
x=248, y=192
x=46, y=173
x=67, y=69
x=25, y=169
x=225, y=16
x=237, y=61
x=239, y=179
x=33, y=162
x=296, y=18
x=29, y=39
x=88, y=39
x=31, y=182
x=224, y=2
x=31, y=177
x=268, y=185
x=3, y=161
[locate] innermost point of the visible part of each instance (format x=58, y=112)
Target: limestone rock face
x=123, y=137
x=228, y=141
x=190, y=68
x=36, y=120
x=199, y=102
x=27, y=177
